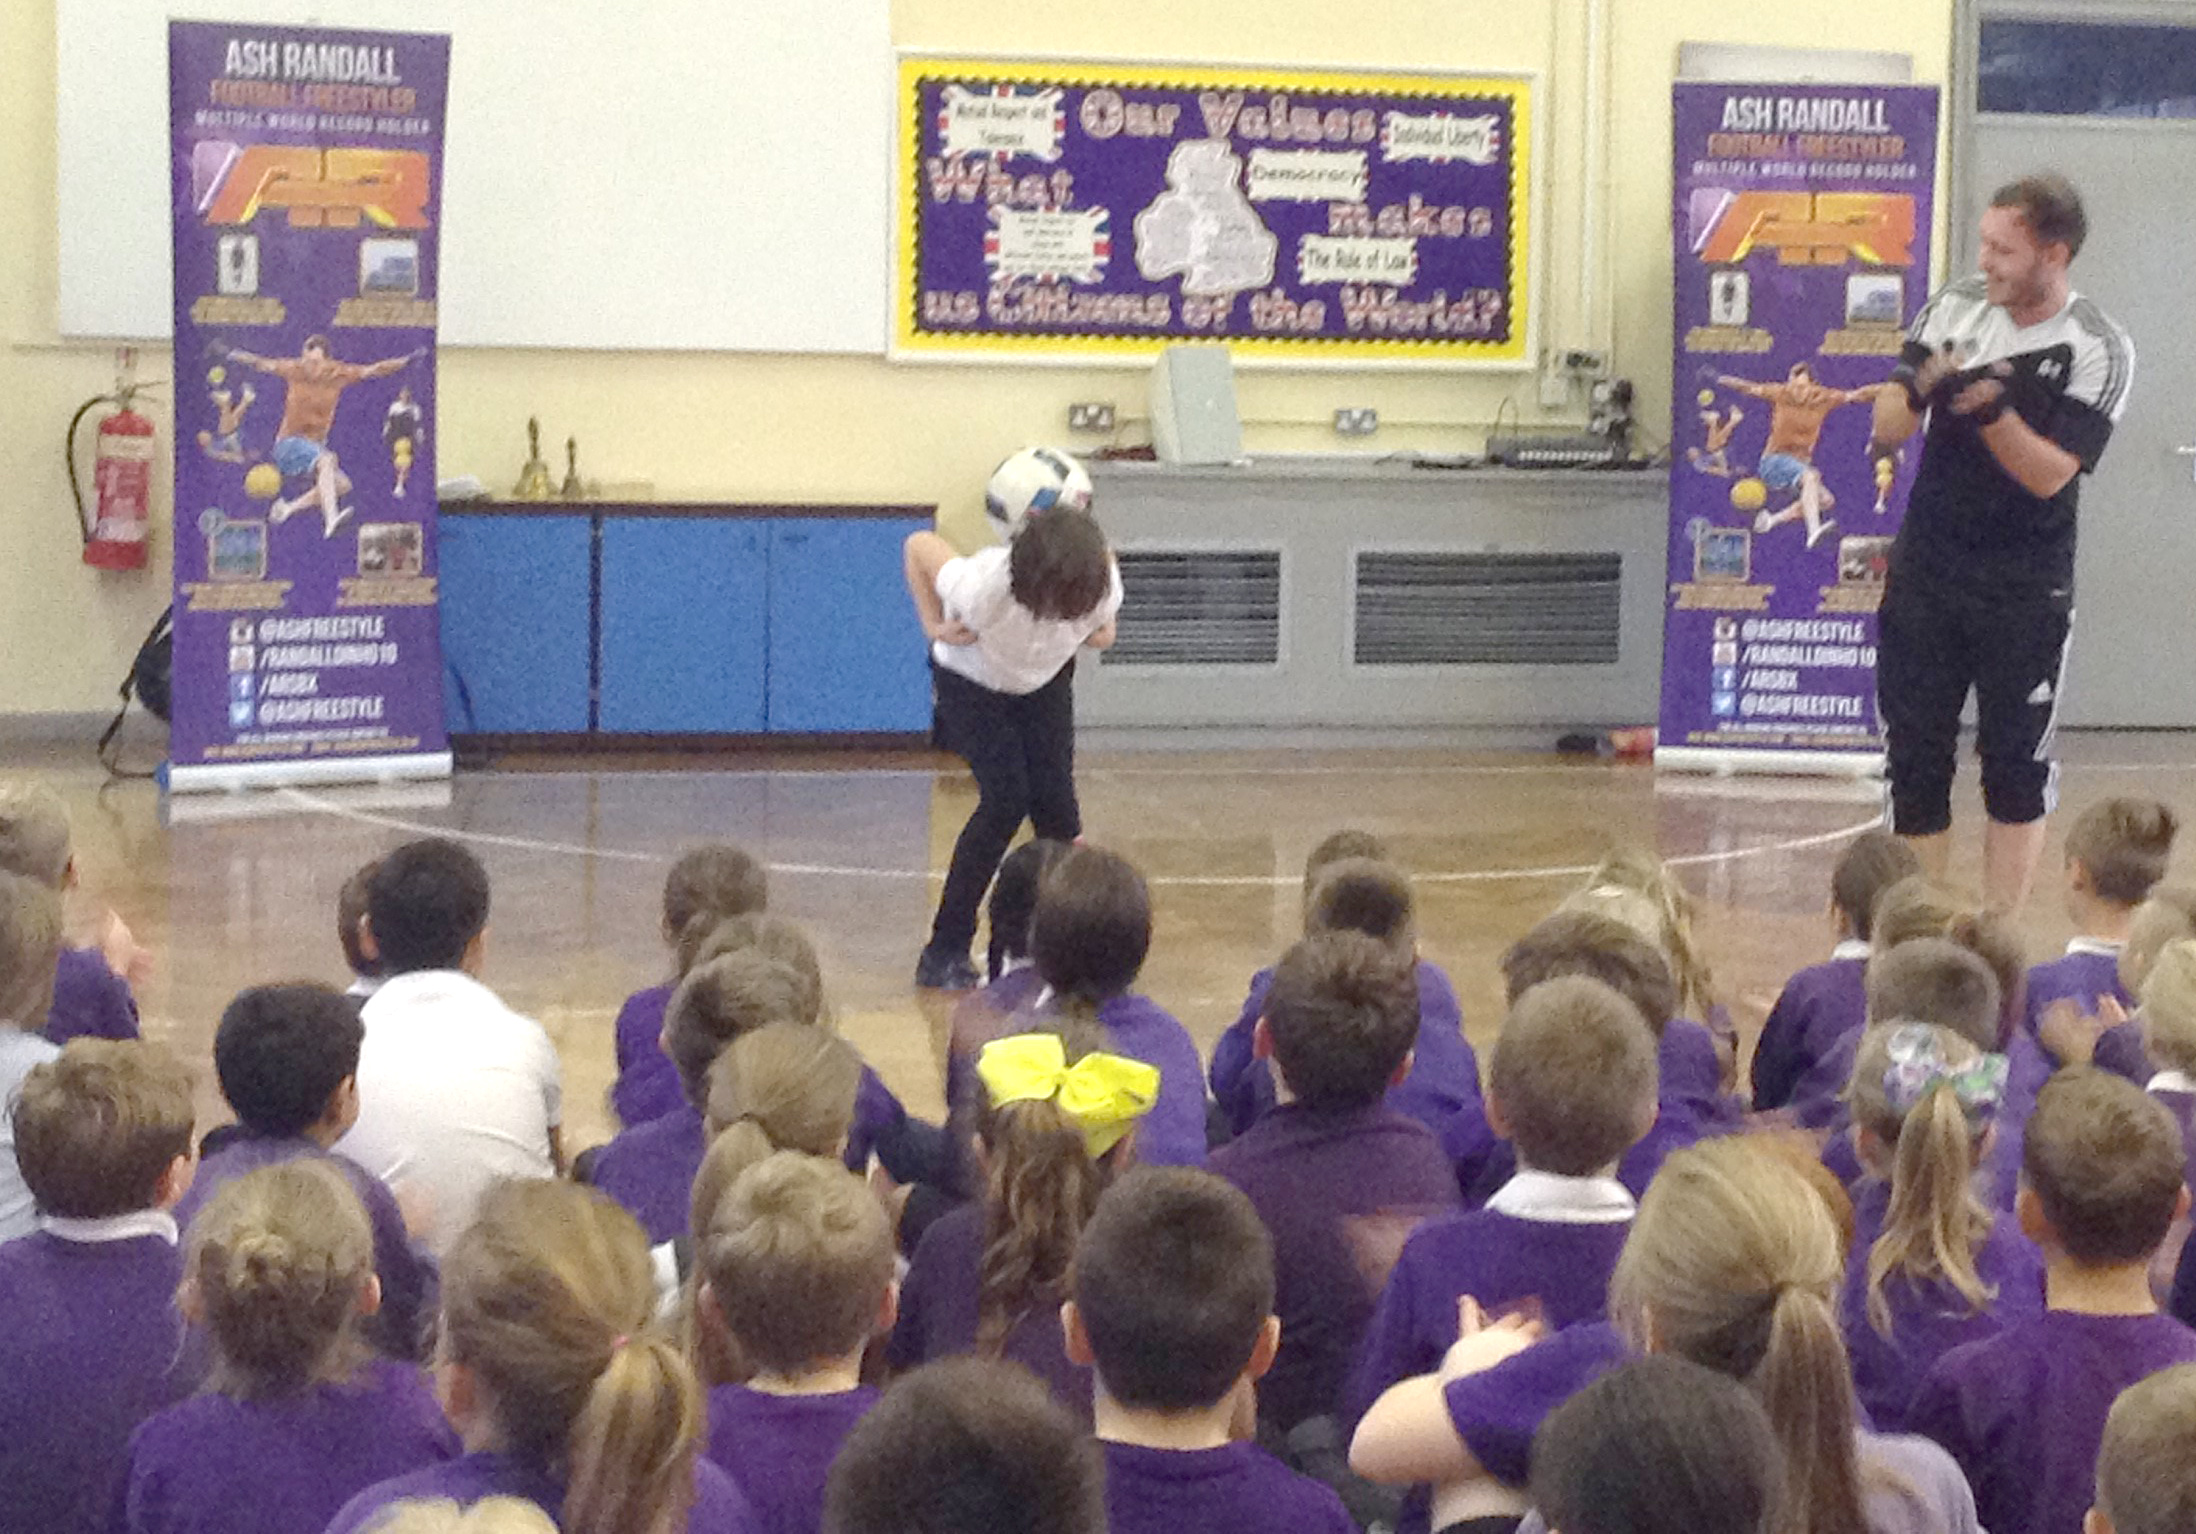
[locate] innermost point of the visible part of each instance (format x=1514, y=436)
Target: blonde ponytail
x=281, y=1259
x=1638, y=889
x=1805, y=1383
x=1934, y=1224
x=548, y=1297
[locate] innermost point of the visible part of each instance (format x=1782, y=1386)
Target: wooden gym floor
x=227, y=892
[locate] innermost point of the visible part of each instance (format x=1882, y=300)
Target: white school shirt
x=455, y=1091
x=20, y=1053
x=1015, y=651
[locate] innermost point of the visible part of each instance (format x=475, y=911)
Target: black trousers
x=1022, y=749
x=1942, y=637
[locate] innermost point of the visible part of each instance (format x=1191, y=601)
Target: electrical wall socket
x=1359, y=422
x=1555, y=387
x=1091, y=415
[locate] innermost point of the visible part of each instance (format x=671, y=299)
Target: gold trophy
x=534, y=483
x=572, y=489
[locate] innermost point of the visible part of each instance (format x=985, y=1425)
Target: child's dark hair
x=1934, y=980
x=2124, y=845
x=1335, y=848
x=1173, y=1282
x=280, y=1259
x=1362, y=895
x=967, y=1444
x=709, y=884
x=351, y=920
x=1574, y=1075
x=727, y=997
x=1343, y=1012
x=282, y=1051
x=2104, y=1159
x=1059, y=566
x=1871, y=864
x=97, y=1129
x=1600, y=948
x=1660, y=1445
x=1014, y=900
x=1092, y=927
x=426, y=903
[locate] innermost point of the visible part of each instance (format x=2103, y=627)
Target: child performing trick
x=1004, y=626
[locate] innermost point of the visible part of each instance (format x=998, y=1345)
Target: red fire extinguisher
x=115, y=526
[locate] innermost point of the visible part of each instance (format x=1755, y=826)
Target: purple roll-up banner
x=307, y=173
x=1801, y=225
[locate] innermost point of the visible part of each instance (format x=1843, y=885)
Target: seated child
x=1601, y=948
x=298, y=1418
x=355, y=935
x=1573, y=1088
x=708, y=884
x=455, y=1089
x=1638, y=889
x=558, y=1383
x=2167, y=1019
x=1659, y=1446
x=1357, y=891
x=30, y=943
x=1825, y=1003
x=649, y=1168
x=1172, y=1309
x=90, y=1000
x=1337, y=1173
x=287, y=1060
x=967, y=1444
x=1733, y=1263
x=797, y=1262
x=1056, y=1122
x=2024, y=1412
x=93, y=1343
x=2116, y=853
x=1931, y=1267
x=2143, y=1480
x=1089, y=936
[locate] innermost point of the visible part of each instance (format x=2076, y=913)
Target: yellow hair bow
x=1102, y=1094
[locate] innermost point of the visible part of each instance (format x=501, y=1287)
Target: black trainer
x=936, y=971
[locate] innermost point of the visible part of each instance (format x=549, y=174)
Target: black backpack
x=150, y=682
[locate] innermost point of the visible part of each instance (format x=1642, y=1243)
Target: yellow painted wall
x=840, y=428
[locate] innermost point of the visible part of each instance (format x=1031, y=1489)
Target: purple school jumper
x=1558, y=1247
x=407, y=1274
x=1927, y=1320
x=1235, y=1489
x=2028, y=1067
x=650, y=1169
x=1337, y=1189
x=1441, y=1092
x=92, y=1345
x=778, y=1449
x=938, y=1312
x=648, y=1083
x=216, y=1465
x=1821, y=1005
x=1908, y=1485
x=2086, y=974
x=719, y=1508
x=90, y=1001
x=2024, y=1412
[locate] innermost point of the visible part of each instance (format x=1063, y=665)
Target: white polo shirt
x=1015, y=650
x=455, y=1091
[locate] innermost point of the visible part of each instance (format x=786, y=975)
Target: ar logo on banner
x=334, y=188
x=1812, y=228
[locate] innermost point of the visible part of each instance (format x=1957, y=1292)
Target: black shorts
x=1942, y=638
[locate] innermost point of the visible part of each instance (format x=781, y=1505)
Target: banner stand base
x=1800, y=764
x=226, y=778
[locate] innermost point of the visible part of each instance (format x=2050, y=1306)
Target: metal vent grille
x=1191, y=607
x=1465, y=609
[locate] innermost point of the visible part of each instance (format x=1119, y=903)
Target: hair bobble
x=1918, y=1067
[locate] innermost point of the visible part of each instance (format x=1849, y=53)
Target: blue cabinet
x=515, y=595
x=684, y=610
x=846, y=652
